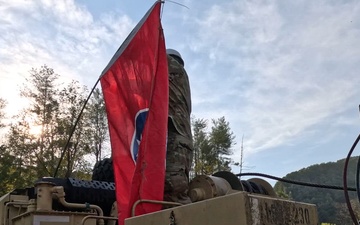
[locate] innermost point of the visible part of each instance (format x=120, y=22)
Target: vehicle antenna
x=73, y=129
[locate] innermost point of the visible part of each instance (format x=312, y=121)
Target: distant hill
x=330, y=203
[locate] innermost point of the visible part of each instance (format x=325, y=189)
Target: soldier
x=179, y=144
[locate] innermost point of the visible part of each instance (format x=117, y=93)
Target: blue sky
x=283, y=73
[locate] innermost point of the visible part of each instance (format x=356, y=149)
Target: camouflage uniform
x=179, y=145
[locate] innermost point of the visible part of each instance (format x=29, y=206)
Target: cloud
x=273, y=71
x=61, y=34
x=279, y=71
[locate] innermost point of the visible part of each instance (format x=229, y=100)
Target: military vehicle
x=221, y=198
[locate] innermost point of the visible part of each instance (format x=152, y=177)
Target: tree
x=24, y=149
x=22, y=169
x=38, y=135
x=330, y=203
x=98, y=134
x=2, y=113
x=221, y=140
x=201, y=146
x=6, y=159
x=71, y=101
x=211, y=149
x=53, y=111
x=342, y=211
x=6, y=169
x=42, y=92
x=281, y=191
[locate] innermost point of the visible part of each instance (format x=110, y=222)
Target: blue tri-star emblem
x=140, y=120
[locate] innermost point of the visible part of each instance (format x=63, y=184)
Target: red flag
x=135, y=88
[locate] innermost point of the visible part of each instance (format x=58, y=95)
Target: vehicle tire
x=103, y=170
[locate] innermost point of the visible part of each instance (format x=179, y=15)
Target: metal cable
x=295, y=182
x=346, y=189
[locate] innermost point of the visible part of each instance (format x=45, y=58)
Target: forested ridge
x=330, y=203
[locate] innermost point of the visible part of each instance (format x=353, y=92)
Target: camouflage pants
x=178, y=165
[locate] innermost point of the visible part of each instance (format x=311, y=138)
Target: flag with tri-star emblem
x=135, y=88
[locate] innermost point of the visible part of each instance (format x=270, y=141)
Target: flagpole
x=86, y=101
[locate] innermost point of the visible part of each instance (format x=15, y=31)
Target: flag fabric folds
x=135, y=88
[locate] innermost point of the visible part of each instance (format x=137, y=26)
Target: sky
x=283, y=73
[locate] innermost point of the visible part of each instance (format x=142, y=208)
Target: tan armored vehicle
x=218, y=199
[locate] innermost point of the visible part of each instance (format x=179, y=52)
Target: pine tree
x=212, y=149
x=201, y=145
x=221, y=140
x=42, y=92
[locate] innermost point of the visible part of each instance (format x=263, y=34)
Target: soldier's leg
x=178, y=164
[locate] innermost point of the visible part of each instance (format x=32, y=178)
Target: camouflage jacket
x=179, y=98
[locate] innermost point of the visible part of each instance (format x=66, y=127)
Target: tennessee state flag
x=135, y=88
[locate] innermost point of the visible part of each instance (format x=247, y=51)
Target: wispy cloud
x=61, y=34
x=275, y=71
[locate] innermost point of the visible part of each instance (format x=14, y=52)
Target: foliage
x=71, y=100
x=330, y=203
x=212, y=148
x=37, y=136
x=2, y=112
x=98, y=133
x=282, y=192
